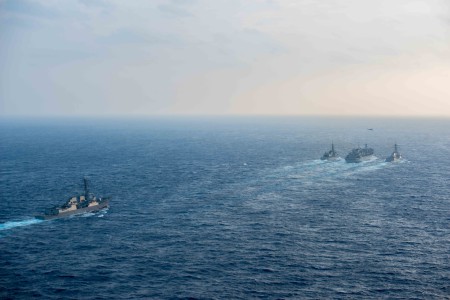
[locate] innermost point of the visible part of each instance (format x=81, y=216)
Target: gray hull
x=393, y=159
x=395, y=156
x=359, y=159
x=358, y=155
x=95, y=208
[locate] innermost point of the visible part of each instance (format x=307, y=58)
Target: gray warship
x=359, y=154
x=394, y=156
x=77, y=205
x=330, y=155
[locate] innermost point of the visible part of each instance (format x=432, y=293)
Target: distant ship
x=359, y=154
x=330, y=155
x=77, y=205
x=394, y=156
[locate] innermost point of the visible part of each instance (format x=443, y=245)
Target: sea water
x=226, y=208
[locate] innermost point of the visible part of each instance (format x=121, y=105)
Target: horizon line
x=173, y=115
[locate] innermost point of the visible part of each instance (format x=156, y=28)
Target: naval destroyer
x=359, y=154
x=78, y=204
x=395, y=155
x=330, y=155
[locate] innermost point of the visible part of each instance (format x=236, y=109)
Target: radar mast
x=86, y=188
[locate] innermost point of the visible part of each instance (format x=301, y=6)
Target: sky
x=222, y=57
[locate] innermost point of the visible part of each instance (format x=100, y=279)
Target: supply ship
x=359, y=154
x=77, y=205
x=330, y=155
x=394, y=156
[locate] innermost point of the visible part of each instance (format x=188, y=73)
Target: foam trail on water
x=84, y=215
x=14, y=224
x=99, y=213
x=318, y=169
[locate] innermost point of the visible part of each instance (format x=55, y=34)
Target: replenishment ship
x=395, y=155
x=330, y=155
x=359, y=154
x=77, y=205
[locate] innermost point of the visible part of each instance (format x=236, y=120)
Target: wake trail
x=317, y=169
x=13, y=224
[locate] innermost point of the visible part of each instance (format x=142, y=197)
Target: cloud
x=211, y=56
x=96, y=3
x=354, y=30
x=130, y=36
x=27, y=7
x=183, y=2
x=173, y=10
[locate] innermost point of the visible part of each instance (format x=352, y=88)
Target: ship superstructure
x=77, y=204
x=359, y=154
x=395, y=155
x=330, y=155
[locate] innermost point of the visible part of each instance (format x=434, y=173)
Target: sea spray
x=14, y=224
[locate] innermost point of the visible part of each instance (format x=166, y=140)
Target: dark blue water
x=226, y=208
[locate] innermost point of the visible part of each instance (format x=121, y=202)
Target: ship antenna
x=396, y=147
x=332, y=146
x=86, y=188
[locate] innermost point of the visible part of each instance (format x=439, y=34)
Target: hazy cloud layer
x=226, y=56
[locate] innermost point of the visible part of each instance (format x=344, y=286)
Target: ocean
x=226, y=208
